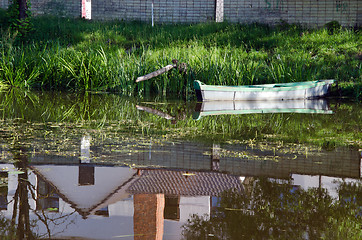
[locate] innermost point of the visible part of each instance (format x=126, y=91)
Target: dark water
x=99, y=166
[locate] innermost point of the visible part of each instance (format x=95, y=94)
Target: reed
x=79, y=55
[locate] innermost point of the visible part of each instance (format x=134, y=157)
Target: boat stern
x=197, y=87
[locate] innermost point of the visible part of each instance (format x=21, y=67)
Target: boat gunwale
x=276, y=87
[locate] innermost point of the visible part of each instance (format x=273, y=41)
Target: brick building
x=309, y=12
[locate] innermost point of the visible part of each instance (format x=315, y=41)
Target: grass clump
x=75, y=54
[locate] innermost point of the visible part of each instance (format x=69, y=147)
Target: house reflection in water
x=164, y=191
x=103, y=201
x=136, y=202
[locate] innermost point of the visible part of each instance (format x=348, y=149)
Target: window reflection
x=3, y=190
x=47, y=198
x=172, y=208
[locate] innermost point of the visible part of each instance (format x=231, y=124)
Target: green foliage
x=333, y=26
x=3, y=19
x=271, y=210
x=89, y=55
x=7, y=230
x=21, y=25
x=17, y=68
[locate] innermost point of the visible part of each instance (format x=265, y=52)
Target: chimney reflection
x=86, y=170
x=215, y=157
x=148, y=216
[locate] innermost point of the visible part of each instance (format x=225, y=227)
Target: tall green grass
x=78, y=55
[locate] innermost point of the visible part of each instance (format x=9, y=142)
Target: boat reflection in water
x=208, y=108
x=73, y=197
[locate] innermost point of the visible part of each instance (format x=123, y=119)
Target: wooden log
x=155, y=73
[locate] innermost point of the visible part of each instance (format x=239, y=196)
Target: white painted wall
x=329, y=183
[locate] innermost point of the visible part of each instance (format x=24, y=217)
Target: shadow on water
x=103, y=166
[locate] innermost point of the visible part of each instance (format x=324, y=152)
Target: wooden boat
x=278, y=91
x=207, y=108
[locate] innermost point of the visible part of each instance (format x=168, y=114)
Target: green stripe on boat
x=263, y=87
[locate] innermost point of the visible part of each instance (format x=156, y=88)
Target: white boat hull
x=311, y=93
x=288, y=91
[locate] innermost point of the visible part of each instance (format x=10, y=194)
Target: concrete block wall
x=309, y=12
x=4, y=4
x=70, y=8
x=56, y=7
x=176, y=11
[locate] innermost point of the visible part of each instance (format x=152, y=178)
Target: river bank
x=79, y=55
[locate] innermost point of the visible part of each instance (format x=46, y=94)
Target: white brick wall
x=309, y=12
x=177, y=11
x=4, y=4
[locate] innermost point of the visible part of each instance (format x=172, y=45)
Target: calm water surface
x=102, y=166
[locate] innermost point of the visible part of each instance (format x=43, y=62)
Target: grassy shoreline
x=79, y=55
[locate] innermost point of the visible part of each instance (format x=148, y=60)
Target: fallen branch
x=155, y=73
x=182, y=68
